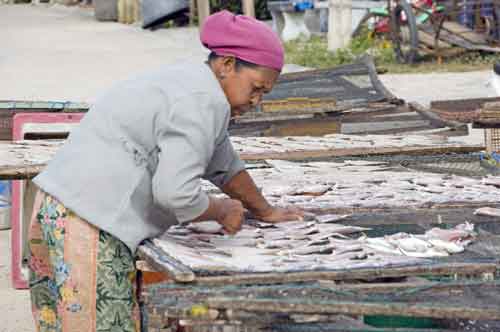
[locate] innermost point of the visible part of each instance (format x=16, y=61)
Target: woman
x=133, y=167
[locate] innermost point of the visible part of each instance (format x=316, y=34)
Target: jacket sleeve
x=186, y=138
x=225, y=163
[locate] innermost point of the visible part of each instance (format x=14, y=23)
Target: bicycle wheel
x=404, y=32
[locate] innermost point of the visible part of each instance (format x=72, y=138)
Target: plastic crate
x=23, y=191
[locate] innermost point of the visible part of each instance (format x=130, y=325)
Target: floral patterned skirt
x=81, y=278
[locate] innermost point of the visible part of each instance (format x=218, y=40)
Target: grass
x=314, y=53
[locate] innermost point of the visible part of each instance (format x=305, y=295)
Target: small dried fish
x=308, y=250
x=487, y=211
x=322, y=236
x=330, y=218
x=295, y=225
x=216, y=252
x=364, y=162
x=209, y=227
x=449, y=247
x=459, y=233
x=431, y=252
x=338, y=228
x=410, y=244
x=226, y=241
x=315, y=190
x=381, y=245
x=494, y=181
x=278, y=244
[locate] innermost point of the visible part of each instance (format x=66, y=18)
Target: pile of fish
x=320, y=243
x=365, y=184
x=263, y=145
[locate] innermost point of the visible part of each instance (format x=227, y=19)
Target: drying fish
x=295, y=225
x=309, y=250
x=410, y=244
x=364, y=162
x=187, y=241
x=322, y=236
x=430, y=252
x=316, y=190
x=248, y=233
x=216, y=252
x=460, y=233
x=427, y=181
x=209, y=227
x=226, y=241
x=329, y=218
x=281, y=261
x=381, y=245
x=297, y=199
x=449, y=247
x=487, y=211
x=494, y=181
x=342, y=229
x=278, y=244
x=259, y=224
x=346, y=249
x=434, y=189
x=279, y=191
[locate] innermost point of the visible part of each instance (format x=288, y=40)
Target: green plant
x=234, y=6
x=314, y=52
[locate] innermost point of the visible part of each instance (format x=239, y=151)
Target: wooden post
x=249, y=7
x=335, y=40
x=339, y=24
x=346, y=13
x=192, y=11
x=203, y=11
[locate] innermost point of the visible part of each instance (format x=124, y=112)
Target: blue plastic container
x=5, y=202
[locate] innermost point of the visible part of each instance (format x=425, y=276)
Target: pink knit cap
x=243, y=37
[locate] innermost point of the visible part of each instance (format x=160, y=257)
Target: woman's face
x=243, y=86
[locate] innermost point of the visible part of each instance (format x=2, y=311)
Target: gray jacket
x=133, y=166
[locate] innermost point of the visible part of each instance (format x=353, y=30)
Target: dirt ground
x=61, y=53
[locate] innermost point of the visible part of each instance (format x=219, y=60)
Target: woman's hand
x=230, y=214
x=281, y=214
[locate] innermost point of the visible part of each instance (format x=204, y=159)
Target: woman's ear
x=228, y=66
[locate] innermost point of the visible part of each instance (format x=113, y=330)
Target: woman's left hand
x=281, y=214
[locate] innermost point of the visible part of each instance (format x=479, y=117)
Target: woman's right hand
x=230, y=214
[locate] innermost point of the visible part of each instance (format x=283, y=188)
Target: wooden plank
x=382, y=126
x=354, y=308
x=20, y=172
x=395, y=286
x=277, y=278
x=241, y=320
x=319, y=154
x=428, y=40
x=164, y=263
x=466, y=33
